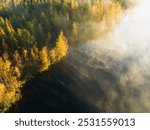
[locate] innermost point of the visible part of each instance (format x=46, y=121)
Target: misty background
x=114, y=71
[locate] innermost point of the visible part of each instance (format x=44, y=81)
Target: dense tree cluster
x=34, y=34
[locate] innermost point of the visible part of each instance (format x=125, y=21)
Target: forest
x=36, y=34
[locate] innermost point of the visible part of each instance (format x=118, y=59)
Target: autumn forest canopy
x=35, y=34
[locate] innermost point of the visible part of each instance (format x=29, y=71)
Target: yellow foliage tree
x=2, y=91
x=17, y=60
x=110, y=12
x=2, y=33
x=61, y=46
x=44, y=59
x=7, y=73
x=35, y=53
x=25, y=55
x=2, y=21
x=53, y=56
x=9, y=27
x=74, y=4
x=17, y=72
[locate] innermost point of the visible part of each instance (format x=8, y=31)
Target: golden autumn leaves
x=15, y=72
x=18, y=66
x=9, y=83
x=2, y=91
x=54, y=55
x=106, y=12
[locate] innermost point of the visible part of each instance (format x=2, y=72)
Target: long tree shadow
x=48, y=92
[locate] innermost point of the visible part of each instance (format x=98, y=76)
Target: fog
x=113, y=72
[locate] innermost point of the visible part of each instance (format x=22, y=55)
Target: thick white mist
x=133, y=33
x=114, y=72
